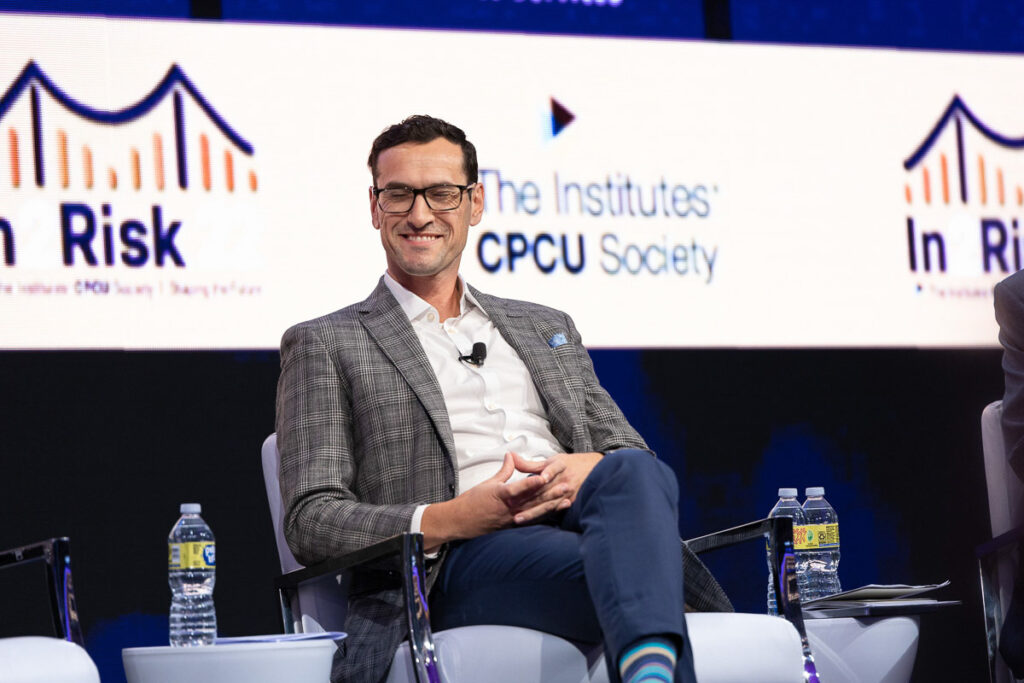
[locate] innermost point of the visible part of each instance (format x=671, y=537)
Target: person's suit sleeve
x=608, y=427
x=319, y=460
x=1009, y=305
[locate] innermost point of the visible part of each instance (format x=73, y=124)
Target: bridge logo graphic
x=964, y=193
x=71, y=155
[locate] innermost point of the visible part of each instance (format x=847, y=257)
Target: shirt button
x=430, y=317
x=491, y=405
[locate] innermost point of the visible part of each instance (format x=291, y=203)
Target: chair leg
x=421, y=639
x=783, y=566
x=287, y=615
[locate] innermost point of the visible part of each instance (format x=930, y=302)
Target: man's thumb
x=508, y=467
x=529, y=466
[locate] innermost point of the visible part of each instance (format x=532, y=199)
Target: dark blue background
x=102, y=446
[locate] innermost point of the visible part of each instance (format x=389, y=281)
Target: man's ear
x=477, y=202
x=373, y=210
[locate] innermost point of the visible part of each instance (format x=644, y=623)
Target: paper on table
x=281, y=638
x=874, y=592
x=843, y=604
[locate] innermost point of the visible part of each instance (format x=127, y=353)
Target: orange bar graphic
x=113, y=179
x=999, y=183
x=945, y=179
x=252, y=181
x=136, y=171
x=981, y=174
x=1020, y=196
x=87, y=163
x=229, y=170
x=906, y=192
x=12, y=140
x=927, y=185
x=204, y=150
x=158, y=160
x=62, y=150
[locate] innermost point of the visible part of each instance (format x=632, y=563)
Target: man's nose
x=420, y=214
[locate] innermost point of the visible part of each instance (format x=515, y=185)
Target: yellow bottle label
x=829, y=536
x=193, y=555
x=816, y=536
x=808, y=536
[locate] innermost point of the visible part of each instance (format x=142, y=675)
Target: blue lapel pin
x=557, y=340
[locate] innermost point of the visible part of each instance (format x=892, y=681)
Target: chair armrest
x=396, y=562
x=56, y=554
x=728, y=537
x=384, y=556
x=782, y=563
x=1000, y=542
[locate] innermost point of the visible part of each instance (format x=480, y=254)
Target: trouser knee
x=634, y=471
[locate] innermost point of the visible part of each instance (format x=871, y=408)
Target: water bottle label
x=805, y=537
x=194, y=555
x=829, y=536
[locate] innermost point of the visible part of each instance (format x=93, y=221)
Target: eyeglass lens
x=438, y=197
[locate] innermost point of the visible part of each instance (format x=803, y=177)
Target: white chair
x=997, y=559
x=38, y=659
x=726, y=647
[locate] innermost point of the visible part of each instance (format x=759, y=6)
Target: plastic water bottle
x=191, y=572
x=823, y=552
x=788, y=506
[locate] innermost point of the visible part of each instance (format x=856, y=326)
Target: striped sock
x=648, y=660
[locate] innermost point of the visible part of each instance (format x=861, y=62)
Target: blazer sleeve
x=319, y=460
x=1009, y=305
x=608, y=427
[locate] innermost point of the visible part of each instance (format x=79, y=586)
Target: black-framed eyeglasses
x=445, y=197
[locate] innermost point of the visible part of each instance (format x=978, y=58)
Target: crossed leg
x=608, y=570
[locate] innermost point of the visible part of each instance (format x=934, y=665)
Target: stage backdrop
x=167, y=184
x=196, y=187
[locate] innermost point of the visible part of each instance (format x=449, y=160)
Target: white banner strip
x=197, y=185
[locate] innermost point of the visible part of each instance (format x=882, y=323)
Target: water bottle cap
x=815, y=491
x=191, y=508
x=787, y=493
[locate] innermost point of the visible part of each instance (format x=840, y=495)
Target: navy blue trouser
x=609, y=569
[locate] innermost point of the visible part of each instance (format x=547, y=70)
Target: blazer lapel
x=522, y=333
x=389, y=327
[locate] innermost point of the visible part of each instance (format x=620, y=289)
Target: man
x=388, y=421
x=1009, y=305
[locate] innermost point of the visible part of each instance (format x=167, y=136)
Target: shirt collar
x=415, y=307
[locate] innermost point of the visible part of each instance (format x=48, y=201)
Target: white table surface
x=864, y=649
x=306, y=661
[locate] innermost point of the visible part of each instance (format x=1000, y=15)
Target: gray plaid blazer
x=364, y=438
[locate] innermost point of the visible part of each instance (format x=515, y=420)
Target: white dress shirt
x=494, y=408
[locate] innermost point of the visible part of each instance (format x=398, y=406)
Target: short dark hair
x=422, y=129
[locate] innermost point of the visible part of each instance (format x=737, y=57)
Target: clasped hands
x=498, y=503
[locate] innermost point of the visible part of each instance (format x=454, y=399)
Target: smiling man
x=391, y=418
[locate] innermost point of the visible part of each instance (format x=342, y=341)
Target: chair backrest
x=271, y=473
x=998, y=571
x=1005, y=490
x=318, y=605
